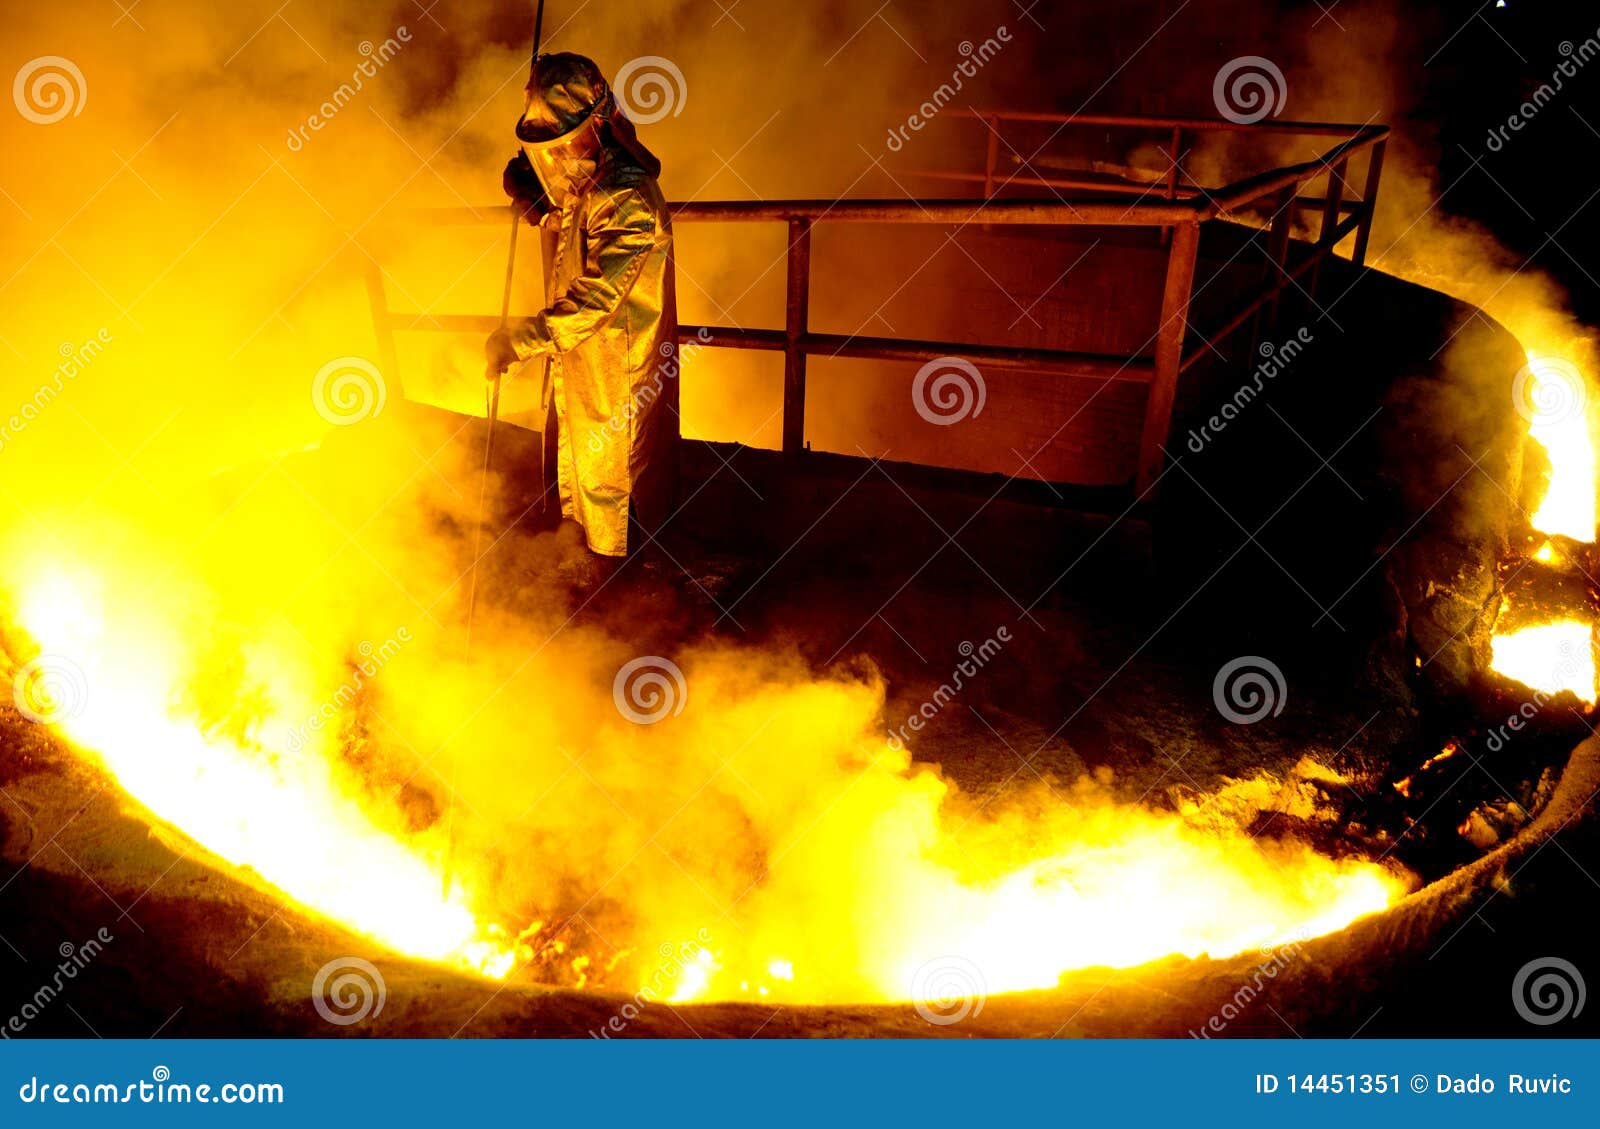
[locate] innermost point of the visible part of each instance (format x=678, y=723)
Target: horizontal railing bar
x=1124, y=188
x=1252, y=188
x=1099, y=366
x=1133, y=122
x=1139, y=213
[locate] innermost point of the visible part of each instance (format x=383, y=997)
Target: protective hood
x=570, y=119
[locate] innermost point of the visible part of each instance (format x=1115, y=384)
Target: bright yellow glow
x=251, y=802
x=1549, y=658
x=1556, y=402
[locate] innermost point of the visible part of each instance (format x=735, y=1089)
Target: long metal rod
x=493, y=412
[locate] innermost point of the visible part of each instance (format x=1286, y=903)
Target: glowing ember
x=1549, y=658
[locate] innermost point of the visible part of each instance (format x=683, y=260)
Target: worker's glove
x=527, y=194
x=499, y=352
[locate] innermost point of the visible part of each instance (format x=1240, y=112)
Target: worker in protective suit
x=611, y=328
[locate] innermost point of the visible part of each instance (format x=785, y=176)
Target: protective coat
x=612, y=334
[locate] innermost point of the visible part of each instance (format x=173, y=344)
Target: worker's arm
x=622, y=232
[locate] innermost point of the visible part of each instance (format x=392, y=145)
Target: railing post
x=383, y=329
x=798, y=302
x=1335, y=197
x=1168, y=354
x=991, y=163
x=1172, y=175
x=1330, y=220
x=1369, y=203
x=1278, y=248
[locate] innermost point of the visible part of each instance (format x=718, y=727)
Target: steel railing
x=1177, y=209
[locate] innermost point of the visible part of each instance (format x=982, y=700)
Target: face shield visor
x=562, y=161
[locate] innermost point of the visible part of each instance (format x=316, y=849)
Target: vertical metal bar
x=1172, y=175
x=1330, y=219
x=798, y=313
x=1369, y=203
x=1168, y=353
x=1330, y=206
x=1278, y=247
x=992, y=160
x=383, y=328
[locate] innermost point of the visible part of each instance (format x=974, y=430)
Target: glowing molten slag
x=878, y=898
x=244, y=798
x=1557, y=397
x=1551, y=657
